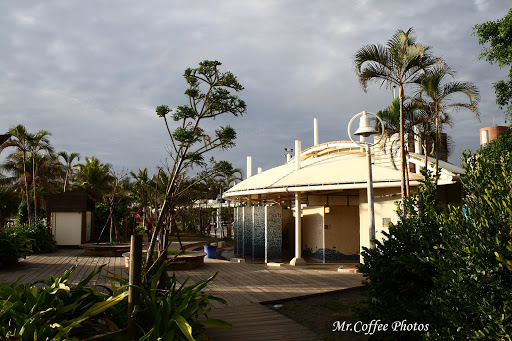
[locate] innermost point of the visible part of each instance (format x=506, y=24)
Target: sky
x=93, y=72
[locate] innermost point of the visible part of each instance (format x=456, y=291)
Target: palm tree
x=68, y=159
x=38, y=142
x=20, y=139
x=436, y=94
x=391, y=118
x=95, y=175
x=400, y=62
x=225, y=174
x=142, y=187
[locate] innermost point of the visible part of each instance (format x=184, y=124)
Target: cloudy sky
x=92, y=72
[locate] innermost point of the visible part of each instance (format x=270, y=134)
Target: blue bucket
x=211, y=252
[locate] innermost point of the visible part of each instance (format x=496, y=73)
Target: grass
x=319, y=312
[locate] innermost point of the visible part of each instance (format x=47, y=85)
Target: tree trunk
x=402, y=143
x=26, y=186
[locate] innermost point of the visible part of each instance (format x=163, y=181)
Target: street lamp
x=366, y=130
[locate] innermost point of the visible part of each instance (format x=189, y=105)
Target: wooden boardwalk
x=243, y=285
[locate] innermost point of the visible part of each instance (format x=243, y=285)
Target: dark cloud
x=93, y=72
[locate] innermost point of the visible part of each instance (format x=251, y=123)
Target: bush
x=40, y=237
x=473, y=289
x=399, y=276
x=13, y=246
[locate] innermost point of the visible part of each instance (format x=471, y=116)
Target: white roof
x=348, y=169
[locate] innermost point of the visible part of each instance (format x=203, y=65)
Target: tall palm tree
x=400, y=62
x=436, y=95
x=20, y=139
x=68, y=159
x=38, y=142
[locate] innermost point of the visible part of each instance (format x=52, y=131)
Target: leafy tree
x=399, y=63
x=498, y=35
x=435, y=95
x=209, y=96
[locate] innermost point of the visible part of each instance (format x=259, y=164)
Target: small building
x=71, y=216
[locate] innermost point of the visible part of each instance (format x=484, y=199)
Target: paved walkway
x=243, y=285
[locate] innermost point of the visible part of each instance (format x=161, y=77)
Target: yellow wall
x=312, y=228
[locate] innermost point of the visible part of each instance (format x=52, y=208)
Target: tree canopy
x=496, y=36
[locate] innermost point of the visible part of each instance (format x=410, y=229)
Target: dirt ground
x=319, y=313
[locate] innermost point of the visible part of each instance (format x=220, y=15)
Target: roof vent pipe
x=259, y=170
x=297, y=154
x=249, y=167
x=315, y=131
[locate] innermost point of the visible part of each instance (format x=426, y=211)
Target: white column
x=297, y=260
x=315, y=131
x=259, y=170
x=249, y=167
x=371, y=210
x=297, y=154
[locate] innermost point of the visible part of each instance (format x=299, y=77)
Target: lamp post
x=366, y=130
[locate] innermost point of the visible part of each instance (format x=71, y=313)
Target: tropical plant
x=59, y=311
x=68, y=159
x=399, y=63
x=435, y=95
x=208, y=96
x=173, y=311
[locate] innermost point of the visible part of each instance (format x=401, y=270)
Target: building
x=326, y=185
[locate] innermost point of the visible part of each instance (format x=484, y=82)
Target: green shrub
x=38, y=233
x=398, y=274
x=473, y=288
x=13, y=246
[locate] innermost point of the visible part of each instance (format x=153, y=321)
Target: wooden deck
x=243, y=285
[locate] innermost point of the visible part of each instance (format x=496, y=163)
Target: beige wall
x=342, y=233
x=67, y=228
x=312, y=228
x=385, y=208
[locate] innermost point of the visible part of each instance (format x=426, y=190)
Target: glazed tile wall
x=247, y=228
x=258, y=236
x=273, y=234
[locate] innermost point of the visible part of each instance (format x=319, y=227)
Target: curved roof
x=330, y=166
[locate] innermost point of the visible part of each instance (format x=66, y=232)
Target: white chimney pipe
x=297, y=154
x=249, y=167
x=259, y=170
x=315, y=131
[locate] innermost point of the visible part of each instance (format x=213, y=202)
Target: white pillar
x=297, y=260
x=297, y=154
x=371, y=209
x=315, y=131
x=259, y=170
x=249, y=167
